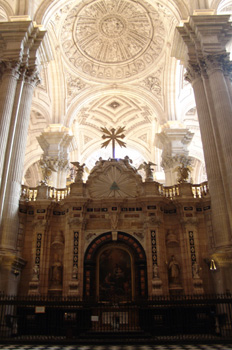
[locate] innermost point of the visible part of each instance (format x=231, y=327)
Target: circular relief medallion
x=112, y=39
x=113, y=31
x=112, y=26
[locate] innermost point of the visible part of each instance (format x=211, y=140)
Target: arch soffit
x=220, y=3
x=179, y=9
x=90, y=96
x=106, y=238
x=7, y=8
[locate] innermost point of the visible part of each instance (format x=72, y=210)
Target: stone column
x=21, y=38
x=10, y=270
x=218, y=197
x=17, y=39
x=9, y=223
x=174, y=142
x=11, y=133
x=55, y=142
x=221, y=113
x=206, y=60
x=8, y=87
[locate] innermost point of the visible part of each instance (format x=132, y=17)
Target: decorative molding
x=74, y=85
x=128, y=36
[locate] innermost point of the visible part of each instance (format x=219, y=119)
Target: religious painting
x=115, y=275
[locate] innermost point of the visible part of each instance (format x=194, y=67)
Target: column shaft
x=9, y=224
x=219, y=147
x=221, y=226
x=222, y=122
x=10, y=143
x=8, y=88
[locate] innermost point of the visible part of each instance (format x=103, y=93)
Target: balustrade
x=57, y=194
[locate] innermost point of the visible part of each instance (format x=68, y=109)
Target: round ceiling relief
x=112, y=39
x=115, y=33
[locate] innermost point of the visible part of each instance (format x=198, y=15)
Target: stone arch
x=124, y=242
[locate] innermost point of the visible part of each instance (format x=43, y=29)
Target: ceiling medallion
x=112, y=26
x=113, y=33
x=112, y=39
x=114, y=104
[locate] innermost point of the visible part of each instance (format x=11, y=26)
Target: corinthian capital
x=167, y=162
x=193, y=72
x=10, y=68
x=32, y=76
x=219, y=61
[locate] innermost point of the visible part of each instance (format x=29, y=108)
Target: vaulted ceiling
x=108, y=63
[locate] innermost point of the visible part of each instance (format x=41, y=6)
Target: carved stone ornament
x=10, y=67
x=32, y=76
x=220, y=61
x=193, y=72
x=169, y=162
x=153, y=84
x=112, y=40
x=74, y=85
x=113, y=178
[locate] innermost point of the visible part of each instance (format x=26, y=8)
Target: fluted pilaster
x=9, y=223
x=208, y=71
x=218, y=199
x=10, y=75
x=221, y=115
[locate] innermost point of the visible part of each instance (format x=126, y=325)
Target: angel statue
x=46, y=169
x=183, y=172
x=79, y=171
x=147, y=167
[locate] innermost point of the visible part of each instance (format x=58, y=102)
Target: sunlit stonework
x=114, y=181
x=113, y=32
x=112, y=39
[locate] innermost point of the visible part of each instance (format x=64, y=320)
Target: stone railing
x=198, y=191
x=57, y=194
x=31, y=193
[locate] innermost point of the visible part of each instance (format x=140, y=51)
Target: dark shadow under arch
x=125, y=242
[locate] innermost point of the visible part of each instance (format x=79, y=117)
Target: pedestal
x=33, y=288
x=185, y=189
x=157, y=286
x=175, y=289
x=77, y=189
x=198, y=286
x=73, y=288
x=43, y=192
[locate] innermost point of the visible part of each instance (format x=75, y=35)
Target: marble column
x=55, y=142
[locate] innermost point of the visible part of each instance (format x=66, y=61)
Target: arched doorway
x=115, y=268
